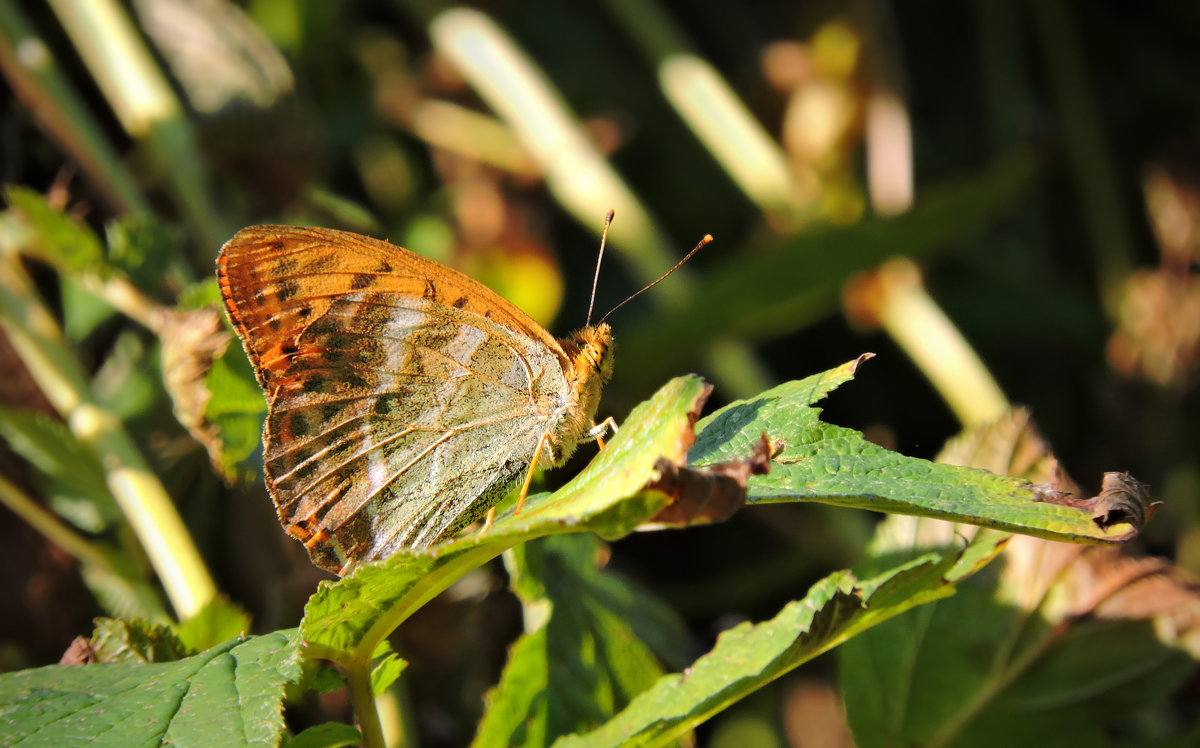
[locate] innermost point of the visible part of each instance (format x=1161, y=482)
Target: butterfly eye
x=595, y=354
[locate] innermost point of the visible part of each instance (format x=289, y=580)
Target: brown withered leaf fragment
x=191, y=340
x=1158, y=337
x=1060, y=489
x=1122, y=499
x=708, y=494
x=79, y=653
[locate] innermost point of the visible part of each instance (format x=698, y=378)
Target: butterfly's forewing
x=403, y=396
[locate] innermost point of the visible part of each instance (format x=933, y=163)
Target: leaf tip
x=860, y=361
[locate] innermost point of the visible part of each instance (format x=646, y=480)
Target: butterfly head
x=592, y=354
x=589, y=352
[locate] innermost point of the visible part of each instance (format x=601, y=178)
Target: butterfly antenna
x=708, y=238
x=608, y=219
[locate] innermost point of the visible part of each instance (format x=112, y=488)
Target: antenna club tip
x=609, y=215
x=708, y=239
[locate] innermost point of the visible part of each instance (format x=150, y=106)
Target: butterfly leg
x=597, y=431
x=537, y=453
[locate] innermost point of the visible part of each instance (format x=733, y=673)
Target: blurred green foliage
x=1054, y=211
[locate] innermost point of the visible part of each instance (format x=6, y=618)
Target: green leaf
x=200, y=294
x=237, y=408
x=1052, y=644
x=74, y=480
x=136, y=640
x=61, y=239
x=748, y=656
x=230, y=695
x=328, y=735
x=580, y=659
x=219, y=620
x=385, y=672
x=829, y=464
x=129, y=382
x=123, y=593
x=144, y=248
x=346, y=620
x=83, y=309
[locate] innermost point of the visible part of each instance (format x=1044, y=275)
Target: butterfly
x=404, y=398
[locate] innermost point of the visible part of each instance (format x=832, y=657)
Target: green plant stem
x=471, y=134
x=711, y=108
x=129, y=300
x=143, y=101
x=395, y=711
x=358, y=679
x=39, y=342
x=1088, y=153
x=50, y=526
x=37, y=81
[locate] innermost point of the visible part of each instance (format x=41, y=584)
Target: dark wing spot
x=330, y=411
x=287, y=289
x=386, y=405
x=361, y=281
x=460, y=302
x=430, y=290
x=372, y=352
x=371, y=317
x=433, y=337
x=316, y=383
x=299, y=425
x=384, y=267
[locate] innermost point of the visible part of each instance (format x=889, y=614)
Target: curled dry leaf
x=708, y=494
x=1122, y=499
x=191, y=340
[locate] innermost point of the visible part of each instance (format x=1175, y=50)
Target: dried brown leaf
x=708, y=494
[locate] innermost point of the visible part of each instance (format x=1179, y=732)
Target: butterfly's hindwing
x=420, y=410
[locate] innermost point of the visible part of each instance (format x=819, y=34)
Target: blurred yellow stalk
x=39, y=341
x=895, y=298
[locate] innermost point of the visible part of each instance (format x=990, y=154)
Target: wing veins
x=409, y=429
